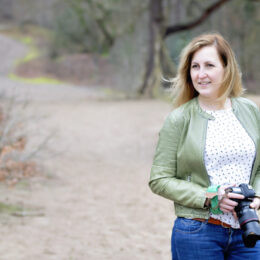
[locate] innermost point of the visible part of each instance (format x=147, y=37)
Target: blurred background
x=81, y=103
x=110, y=43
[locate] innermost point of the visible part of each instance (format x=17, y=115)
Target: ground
x=93, y=201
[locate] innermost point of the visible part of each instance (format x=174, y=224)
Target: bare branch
x=207, y=12
x=39, y=147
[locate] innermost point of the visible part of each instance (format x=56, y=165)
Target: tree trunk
x=152, y=75
x=158, y=60
x=167, y=66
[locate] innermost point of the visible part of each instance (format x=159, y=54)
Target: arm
x=163, y=179
x=256, y=185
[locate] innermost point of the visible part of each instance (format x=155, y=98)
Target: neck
x=213, y=104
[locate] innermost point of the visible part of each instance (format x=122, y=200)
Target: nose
x=202, y=73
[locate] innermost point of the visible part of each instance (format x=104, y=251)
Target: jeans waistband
x=214, y=222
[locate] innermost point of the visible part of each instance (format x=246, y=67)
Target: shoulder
x=247, y=107
x=181, y=112
x=177, y=117
x=245, y=102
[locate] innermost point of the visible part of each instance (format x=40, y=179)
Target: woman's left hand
x=256, y=203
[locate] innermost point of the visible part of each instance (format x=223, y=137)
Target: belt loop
x=223, y=225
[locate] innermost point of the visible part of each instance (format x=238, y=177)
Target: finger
x=221, y=193
x=256, y=203
x=253, y=205
x=234, y=215
x=235, y=196
x=225, y=207
x=225, y=210
x=229, y=202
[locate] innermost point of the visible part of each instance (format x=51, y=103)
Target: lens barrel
x=248, y=219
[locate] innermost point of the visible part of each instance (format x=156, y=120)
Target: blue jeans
x=192, y=239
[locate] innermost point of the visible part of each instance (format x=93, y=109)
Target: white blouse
x=229, y=154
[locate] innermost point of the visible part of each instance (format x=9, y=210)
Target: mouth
x=204, y=83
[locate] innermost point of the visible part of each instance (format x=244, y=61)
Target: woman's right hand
x=226, y=204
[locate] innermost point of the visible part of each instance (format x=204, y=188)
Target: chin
x=205, y=92
x=207, y=95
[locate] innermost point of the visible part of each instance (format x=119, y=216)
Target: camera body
x=247, y=216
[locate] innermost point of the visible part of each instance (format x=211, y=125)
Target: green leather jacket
x=178, y=172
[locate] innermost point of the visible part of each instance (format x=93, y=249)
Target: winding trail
x=94, y=200
x=10, y=52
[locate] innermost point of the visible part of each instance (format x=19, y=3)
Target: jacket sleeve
x=256, y=183
x=163, y=178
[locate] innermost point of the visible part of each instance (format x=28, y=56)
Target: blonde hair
x=183, y=89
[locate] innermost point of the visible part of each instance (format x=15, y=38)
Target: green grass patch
x=27, y=40
x=20, y=211
x=37, y=80
x=27, y=34
x=33, y=52
x=10, y=209
x=31, y=55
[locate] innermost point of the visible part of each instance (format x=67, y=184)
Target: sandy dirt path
x=94, y=202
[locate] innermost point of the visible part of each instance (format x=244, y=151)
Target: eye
x=210, y=65
x=194, y=66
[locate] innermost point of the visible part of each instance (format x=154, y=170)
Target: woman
x=208, y=143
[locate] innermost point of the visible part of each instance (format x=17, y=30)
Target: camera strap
x=212, y=194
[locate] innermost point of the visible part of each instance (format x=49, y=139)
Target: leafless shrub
x=16, y=161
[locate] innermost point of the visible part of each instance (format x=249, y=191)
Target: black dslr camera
x=247, y=216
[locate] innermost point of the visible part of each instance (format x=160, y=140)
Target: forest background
x=129, y=45
x=81, y=103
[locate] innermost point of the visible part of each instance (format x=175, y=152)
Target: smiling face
x=207, y=72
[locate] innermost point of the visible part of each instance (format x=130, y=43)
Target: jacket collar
x=207, y=115
x=202, y=112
